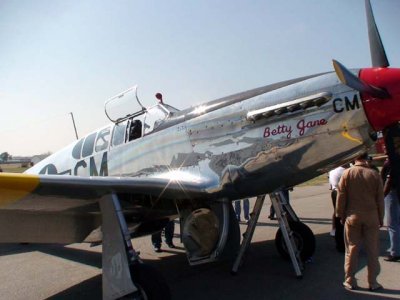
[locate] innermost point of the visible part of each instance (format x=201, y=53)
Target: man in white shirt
x=334, y=178
x=337, y=229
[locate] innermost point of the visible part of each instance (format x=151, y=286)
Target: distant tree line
x=5, y=156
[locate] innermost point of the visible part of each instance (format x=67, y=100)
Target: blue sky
x=58, y=57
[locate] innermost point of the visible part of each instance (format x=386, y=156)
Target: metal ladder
x=248, y=235
x=282, y=209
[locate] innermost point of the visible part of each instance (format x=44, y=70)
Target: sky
x=58, y=57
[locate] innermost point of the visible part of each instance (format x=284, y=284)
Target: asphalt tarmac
x=74, y=271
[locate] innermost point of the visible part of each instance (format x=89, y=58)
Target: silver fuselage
x=239, y=156
x=242, y=157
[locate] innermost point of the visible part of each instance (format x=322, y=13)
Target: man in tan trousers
x=360, y=208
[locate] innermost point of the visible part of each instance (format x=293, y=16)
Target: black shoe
x=171, y=245
x=349, y=286
x=376, y=287
x=392, y=258
x=157, y=249
x=271, y=217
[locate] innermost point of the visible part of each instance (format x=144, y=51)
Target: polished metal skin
x=225, y=146
x=239, y=146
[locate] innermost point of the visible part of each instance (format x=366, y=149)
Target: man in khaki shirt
x=360, y=208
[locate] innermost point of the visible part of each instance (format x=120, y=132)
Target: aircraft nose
x=382, y=112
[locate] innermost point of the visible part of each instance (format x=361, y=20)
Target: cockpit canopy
x=126, y=128
x=119, y=109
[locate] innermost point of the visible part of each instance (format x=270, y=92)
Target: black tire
x=151, y=284
x=303, y=237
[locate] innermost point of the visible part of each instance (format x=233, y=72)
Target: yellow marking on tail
x=14, y=187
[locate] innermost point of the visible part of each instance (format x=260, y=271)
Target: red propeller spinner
x=382, y=112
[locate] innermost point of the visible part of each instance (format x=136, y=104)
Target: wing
x=16, y=187
x=64, y=209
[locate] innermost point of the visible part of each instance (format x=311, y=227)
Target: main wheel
x=151, y=284
x=303, y=237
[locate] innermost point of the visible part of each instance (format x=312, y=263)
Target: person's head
x=363, y=157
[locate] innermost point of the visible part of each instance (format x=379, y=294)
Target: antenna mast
x=73, y=122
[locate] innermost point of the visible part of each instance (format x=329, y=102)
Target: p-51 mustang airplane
x=130, y=178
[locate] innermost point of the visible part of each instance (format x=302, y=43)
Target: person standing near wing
x=246, y=209
x=392, y=212
x=360, y=208
x=337, y=228
x=334, y=177
x=169, y=235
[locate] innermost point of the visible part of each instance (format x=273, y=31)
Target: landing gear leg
x=124, y=275
x=118, y=252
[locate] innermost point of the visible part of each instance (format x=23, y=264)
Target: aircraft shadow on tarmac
x=263, y=275
x=77, y=255
x=321, y=221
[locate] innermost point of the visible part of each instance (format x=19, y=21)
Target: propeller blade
x=378, y=54
x=351, y=80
